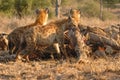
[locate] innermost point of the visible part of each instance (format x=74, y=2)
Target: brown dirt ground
x=98, y=69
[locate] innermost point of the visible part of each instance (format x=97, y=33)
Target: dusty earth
x=97, y=69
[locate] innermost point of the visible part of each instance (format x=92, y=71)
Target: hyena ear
x=47, y=10
x=37, y=11
x=69, y=18
x=70, y=12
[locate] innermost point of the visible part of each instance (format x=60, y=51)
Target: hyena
x=40, y=37
x=15, y=36
x=3, y=41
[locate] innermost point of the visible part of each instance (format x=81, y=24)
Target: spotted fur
x=15, y=36
x=40, y=37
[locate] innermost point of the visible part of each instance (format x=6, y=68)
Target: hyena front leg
x=61, y=43
x=56, y=46
x=10, y=47
x=16, y=48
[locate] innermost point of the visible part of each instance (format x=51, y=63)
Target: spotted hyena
x=40, y=37
x=15, y=36
x=3, y=41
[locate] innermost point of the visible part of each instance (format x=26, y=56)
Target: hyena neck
x=62, y=23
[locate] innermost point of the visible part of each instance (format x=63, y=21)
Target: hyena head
x=3, y=41
x=74, y=17
x=3, y=35
x=42, y=16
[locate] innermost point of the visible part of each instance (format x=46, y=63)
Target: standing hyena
x=38, y=37
x=15, y=36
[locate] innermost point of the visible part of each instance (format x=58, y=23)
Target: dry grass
x=8, y=24
x=99, y=69
x=95, y=22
